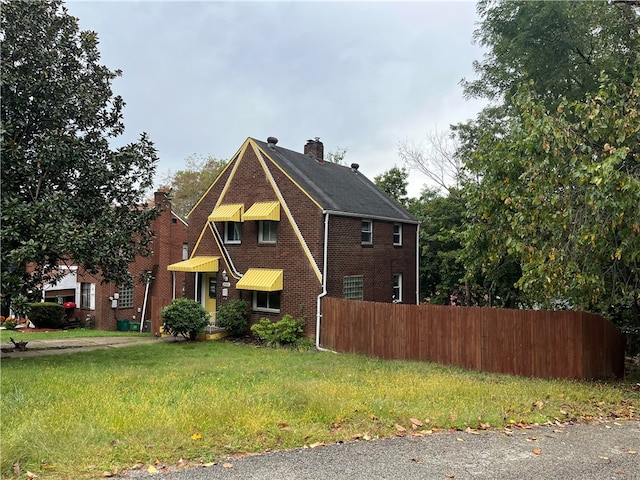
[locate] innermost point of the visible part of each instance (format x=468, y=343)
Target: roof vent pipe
x=355, y=167
x=272, y=141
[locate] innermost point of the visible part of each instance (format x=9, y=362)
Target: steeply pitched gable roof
x=335, y=187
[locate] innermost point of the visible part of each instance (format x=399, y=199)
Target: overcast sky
x=201, y=76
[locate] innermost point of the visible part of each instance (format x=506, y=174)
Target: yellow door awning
x=227, y=213
x=263, y=279
x=263, y=211
x=196, y=264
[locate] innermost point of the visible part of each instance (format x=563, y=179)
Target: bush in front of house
x=233, y=316
x=184, y=317
x=47, y=315
x=284, y=332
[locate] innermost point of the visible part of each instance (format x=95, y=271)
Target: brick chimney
x=315, y=149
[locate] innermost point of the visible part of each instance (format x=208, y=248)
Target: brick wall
x=170, y=234
x=377, y=263
x=249, y=185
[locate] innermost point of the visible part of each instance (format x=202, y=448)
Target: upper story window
x=267, y=231
x=397, y=234
x=367, y=232
x=185, y=251
x=232, y=232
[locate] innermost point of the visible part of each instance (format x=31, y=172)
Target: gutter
x=324, y=283
x=371, y=217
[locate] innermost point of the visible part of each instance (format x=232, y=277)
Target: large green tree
x=394, y=183
x=67, y=196
x=552, y=167
x=188, y=185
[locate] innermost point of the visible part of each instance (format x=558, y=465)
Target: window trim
x=229, y=224
x=261, y=225
x=368, y=232
x=398, y=234
x=267, y=309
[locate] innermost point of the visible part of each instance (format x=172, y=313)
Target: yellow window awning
x=263, y=279
x=196, y=264
x=263, y=211
x=227, y=213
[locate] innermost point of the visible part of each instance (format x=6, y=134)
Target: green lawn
x=81, y=414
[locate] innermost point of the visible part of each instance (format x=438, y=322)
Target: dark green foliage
x=47, y=315
x=185, y=317
x=286, y=331
x=66, y=194
x=234, y=317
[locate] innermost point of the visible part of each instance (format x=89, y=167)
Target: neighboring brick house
x=282, y=229
x=143, y=300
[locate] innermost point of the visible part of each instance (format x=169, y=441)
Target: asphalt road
x=608, y=450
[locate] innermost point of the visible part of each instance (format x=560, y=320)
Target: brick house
x=282, y=229
x=108, y=303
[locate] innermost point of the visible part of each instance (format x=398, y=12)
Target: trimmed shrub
x=283, y=332
x=47, y=315
x=233, y=316
x=184, y=317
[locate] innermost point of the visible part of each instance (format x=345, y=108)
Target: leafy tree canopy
x=66, y=195
x=562, y=46
x=393, y=182
x=187, y=186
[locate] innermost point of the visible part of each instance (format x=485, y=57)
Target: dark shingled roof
x=336, y=188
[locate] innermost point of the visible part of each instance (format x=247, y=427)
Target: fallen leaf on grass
x=196, y=436
x=16, y=469
x=284, y=426
x=315, y=445
x=472, y=431
x=30, y=475
x=416, y=422
x=400, y=428
x=537, y=451
x=152, y=469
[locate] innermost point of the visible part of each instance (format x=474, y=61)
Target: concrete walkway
x=37, y=348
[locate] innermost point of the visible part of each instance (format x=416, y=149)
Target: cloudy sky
x=201, y=76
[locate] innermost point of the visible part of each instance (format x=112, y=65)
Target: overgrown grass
x=19, y=335
x=77, y=415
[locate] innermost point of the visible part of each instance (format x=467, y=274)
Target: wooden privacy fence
x=544, y=344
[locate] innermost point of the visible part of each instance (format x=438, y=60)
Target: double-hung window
x=232, y=232
x=397, y=234
x=397, y=287
x=367, y=232
x=88, y=295
x=267, y=231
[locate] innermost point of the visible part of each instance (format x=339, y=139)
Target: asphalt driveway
x=603, y=451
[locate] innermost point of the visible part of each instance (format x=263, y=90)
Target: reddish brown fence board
x=546, y=344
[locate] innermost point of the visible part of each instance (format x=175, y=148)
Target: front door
x=210, y=288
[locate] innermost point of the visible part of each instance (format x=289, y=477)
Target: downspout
x=225, y=253
x=144, y=304
x=418, y=264
x=324, y=283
